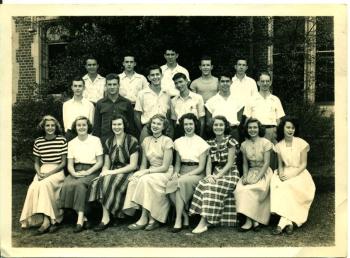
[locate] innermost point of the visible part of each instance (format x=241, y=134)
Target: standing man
x=225, y=104
x=206, y=85
x=186, y=102
x=151, y=101
x=267, y=108
x=170, y=69
x=130, y=81
x=112, y=104
x=94, y=83
x=243, y=86
x=76, y=106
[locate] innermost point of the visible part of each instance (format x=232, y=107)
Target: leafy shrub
x=26, y=115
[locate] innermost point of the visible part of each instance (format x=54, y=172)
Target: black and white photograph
x=174, y=130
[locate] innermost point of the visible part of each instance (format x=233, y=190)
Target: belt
x=82, y=166
x=234, y=126
x=190, y=163
x=269, y=126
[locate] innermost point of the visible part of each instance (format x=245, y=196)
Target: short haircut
x=227, y=74
x=91, y=58
x=284, y=120
x=119, y=116
x=263, y=73
x=78, y=79
x=153, y=67
x=170, y=48
x=129, y=54
x=241, y=58
x=160, y=117
x=41, y=125
x=205, y=58
x=179, y=75
x=112, y=76
x=192, y=117
x=74, y=125
x=260, y=126
x=226, y=123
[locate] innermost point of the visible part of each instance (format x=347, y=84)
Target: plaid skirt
x=216, y=201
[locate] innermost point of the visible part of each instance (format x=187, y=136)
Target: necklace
x=155, y=138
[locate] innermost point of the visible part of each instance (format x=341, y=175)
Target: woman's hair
x=41, y=125
x=260, y=126
x=195, y=120
x=160, y=117
x=223, y=119
x=119, y=116
x=280, y=128
x=74, y=125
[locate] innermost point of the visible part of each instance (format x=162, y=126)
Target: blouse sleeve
x=168, y=143
x=267, y=145
x=303, y=145
x=64, y=149
x=276, y=148
x=243, y=147
x=36, y=151
x=99, y=149
x=133, y=145
x=70, y=150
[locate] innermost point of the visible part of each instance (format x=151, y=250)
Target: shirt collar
x=236, y=78
x=98, y=77
x=123, y=75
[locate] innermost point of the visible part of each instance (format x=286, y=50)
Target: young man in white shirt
x=76, y=106
x=207, y=84
x=243, y=86
x=226, y=104
x=130, y=81
x=151, y=101
x=170, y=69
x=186, y=102
x=94, y=83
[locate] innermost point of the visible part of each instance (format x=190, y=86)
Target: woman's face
x=157, y=126
x=218, y=127
x=50, y=127
x=189, y=126
x=253, y=129
x=118, y=126
x=288, y=129
x=81, y=127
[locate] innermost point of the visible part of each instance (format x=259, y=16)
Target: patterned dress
x=110, y=190
x=253, y=200
x=292, y=198
x=42, y=195
x=216, y=201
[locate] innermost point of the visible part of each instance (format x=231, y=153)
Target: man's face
x=241, y=67
x=129, y=63
x=181, y=84
x=112, y=87
x=91, y=66
x=206, y=67
x=171, y=56
x=155, y=77
x=225, y=84
x=78, y=88
x=264, y=82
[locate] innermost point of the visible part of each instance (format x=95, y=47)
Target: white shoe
x=200, y=230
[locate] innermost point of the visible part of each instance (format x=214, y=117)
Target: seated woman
x=50, y=152
x=146, y=188
x=191, y=154
x=292, y=187
x=85, y=158
x=121, y=156
x=253, y=189
x=209, y=199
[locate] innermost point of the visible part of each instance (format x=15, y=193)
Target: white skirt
x=292, y=198
x=42, y=198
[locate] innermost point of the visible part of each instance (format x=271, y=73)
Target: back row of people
x=204, y=172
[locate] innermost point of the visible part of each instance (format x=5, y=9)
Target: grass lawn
x=318, y=231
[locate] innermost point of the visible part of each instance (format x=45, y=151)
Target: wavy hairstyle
x=74, y=125
x=160, y=117
x=41, y=125
x=260, y=126
x=195, y=120
x=284, y=120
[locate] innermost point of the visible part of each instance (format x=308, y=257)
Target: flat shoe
x=41, y=232
x=54, y=228
x=78, y=228
x=289, y=229
x=257, y=228
x=243, y=230
x=136, y=226
x=277, y=231
x=152, y=226
x=175, y=230
x=87, y=224
x=101, y=227
x=185, y=226
x=200, y=231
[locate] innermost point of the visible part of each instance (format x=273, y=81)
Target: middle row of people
x=204, y=172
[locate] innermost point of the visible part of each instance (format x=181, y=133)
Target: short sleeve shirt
x=94, y=90
x=155, y=148
x=50, y=151
x=130, y=87
x=85, y=151
x=190, y=148
x=219, y=152
x=291, y=155
x=244, y=89
x=167, y=80
x=193, y=103
x=254, y=151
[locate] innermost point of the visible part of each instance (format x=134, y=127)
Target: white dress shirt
x=243, y=89
x=73, y=108
x=167, y=80
x=94, y=90
x=130, y=87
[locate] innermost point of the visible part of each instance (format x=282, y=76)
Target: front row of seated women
x=204, y=180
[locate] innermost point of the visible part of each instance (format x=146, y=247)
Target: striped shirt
x=50, y=151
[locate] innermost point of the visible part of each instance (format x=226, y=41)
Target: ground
x=318, y=231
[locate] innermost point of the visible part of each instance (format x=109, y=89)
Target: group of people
x=215, y=147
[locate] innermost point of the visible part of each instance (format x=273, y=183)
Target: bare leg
x=172, y=198
x=185, y=217
x=179, y=205
x=144, y=217
x=105, y=215
x=202, y=226
x=248, y=223
x=46, y=223
x=80, y=219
